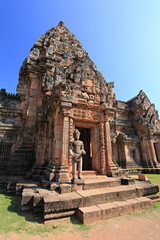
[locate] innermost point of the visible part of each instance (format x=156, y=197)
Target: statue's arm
x=71, y=148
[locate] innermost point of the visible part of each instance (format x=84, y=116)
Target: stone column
x=70, y=139
x=144, y=156
x=102, y=149
x=31, y=113
x=49, y=140
x=110, y=165
x=125, y=153
x=65, y=137
x=63, y=169
x=146, y=152
x=149, y=153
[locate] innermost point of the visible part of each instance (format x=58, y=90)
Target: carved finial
x=61, y=24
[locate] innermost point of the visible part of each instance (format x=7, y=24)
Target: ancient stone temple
x=60, y=89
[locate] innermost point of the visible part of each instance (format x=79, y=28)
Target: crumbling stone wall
x=10, y=127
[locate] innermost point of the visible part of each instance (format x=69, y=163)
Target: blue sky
x=122, y=37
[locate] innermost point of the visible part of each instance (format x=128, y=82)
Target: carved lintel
x=86, y=115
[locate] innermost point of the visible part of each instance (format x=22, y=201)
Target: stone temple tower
x=60, y=89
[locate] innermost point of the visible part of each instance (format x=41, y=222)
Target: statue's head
x=76, y=134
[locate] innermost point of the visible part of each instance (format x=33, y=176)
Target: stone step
x=56, y=203
x=99, y=212
x=88, y=173
x=102, y=182
x=89, y=183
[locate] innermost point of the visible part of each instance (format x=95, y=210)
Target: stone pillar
x=102, y=149
x=41, y=145
x=147, y=160
x=49, y=140
x=144, y=155
x=31, y=113
x=70, y=139
x=65, y=137
x=148, y=153
x=152, y=151
x=63, y=169
x=126, y=158
x=50, y=170
x=110, y=165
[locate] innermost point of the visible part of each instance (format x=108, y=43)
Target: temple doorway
x=156, y=151
x=85, y=137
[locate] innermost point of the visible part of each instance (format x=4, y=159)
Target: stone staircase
x=132, y=164
x=109, y=210
x=99, y=197
x=93, y=193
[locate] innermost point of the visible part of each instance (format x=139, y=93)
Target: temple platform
x=68, y=199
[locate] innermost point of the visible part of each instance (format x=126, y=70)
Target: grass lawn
x=12, y=222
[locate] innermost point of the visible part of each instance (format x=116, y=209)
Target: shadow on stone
x=75, y=220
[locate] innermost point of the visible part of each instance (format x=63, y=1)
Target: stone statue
x=76, y=151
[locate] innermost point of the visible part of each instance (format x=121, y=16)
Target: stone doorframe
x=94, y=131
x=98, y=121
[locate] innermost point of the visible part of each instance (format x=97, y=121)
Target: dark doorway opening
x=155, y=150
x=85, y=137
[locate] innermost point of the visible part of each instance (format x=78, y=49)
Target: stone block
x=71, y=200
x=108, y=210
x=140, y=191
x=27, y=197
x=37, y=200
x=123, y=194
x=65, y=188
x=78, y=181
x=115, y=183
x=27, y=200
x=127, y=181
x=150, y=189
x=145, y=202
x=124, y=207
x=55, y=203
x=137, y=207
x=58, y=215
x=54, y=186
x=142, y=177
x=89, y=214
